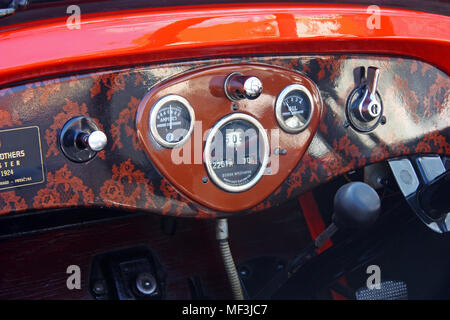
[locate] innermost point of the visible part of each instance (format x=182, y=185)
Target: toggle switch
x=81, y=139
x=96, y=140
x=369, y=107
x=364, y=108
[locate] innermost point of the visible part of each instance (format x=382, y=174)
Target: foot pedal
x=389, y=290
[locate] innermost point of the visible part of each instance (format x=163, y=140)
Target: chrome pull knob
x=238, y=87
x=369, y=108
x=96, y=141
x=81, y=139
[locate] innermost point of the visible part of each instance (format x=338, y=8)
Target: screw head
x=244, y=272
x=99, y=287
x=279, y=151
x=146, y=283
x=280, y=266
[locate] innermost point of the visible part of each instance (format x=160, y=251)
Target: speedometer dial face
x=172, y=121
x=294, y=108
x=236, y=152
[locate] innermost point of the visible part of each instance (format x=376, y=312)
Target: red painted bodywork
x=133, y=37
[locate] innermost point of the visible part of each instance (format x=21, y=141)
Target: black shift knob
x=356, y=205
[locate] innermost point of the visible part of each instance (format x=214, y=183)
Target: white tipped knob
x=97, y=141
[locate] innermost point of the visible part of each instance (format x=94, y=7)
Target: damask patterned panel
x=416, y=98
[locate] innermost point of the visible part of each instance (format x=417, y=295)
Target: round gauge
x=172, y=121
x=294, y=108
x=236, y=152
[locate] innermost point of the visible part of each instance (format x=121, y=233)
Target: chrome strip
x=6, y=12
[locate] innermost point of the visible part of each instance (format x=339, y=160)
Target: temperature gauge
x=294, y=108
x=172, y=121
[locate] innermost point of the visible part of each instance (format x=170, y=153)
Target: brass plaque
x=20, y=157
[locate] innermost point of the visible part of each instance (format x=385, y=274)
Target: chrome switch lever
x=369, y=107
x=373, y=74
x=364, y=108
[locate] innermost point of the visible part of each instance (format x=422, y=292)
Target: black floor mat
x=417, y=256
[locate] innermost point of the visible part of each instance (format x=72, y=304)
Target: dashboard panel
x=128, y=174
x=211, y=168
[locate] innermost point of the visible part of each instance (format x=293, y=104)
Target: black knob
x=356, y=205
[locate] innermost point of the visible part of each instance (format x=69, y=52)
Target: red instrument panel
x=186, y=166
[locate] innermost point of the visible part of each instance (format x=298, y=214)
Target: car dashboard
x=137, y=172
x=212, y=112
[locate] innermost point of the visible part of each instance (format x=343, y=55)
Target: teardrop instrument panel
x=227, y=136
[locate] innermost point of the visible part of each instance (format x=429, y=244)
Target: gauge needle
x=299, y=116
x=170, y=116
x=289, y=108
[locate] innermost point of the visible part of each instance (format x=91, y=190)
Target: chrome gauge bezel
x=287, y=90
x=208, y=145
x=154, y=112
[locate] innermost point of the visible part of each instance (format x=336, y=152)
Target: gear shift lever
x=356, y=206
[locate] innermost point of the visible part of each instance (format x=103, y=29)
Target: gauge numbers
x=172, y=121
x=294, y=108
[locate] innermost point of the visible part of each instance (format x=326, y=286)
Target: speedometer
x=172, y=121
x=294, y=108
x=236, y=152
